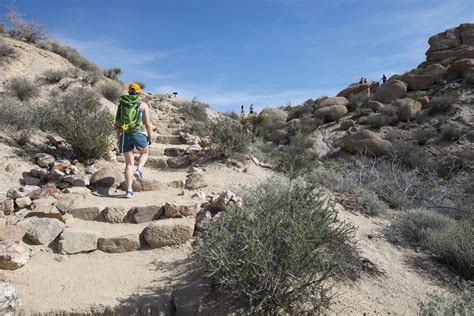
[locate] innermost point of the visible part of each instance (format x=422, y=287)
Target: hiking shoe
x=139, y=175
x=129, y=194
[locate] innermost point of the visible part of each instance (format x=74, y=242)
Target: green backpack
x=128, y=117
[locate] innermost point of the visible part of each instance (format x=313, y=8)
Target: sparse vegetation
x=111, y=90
x=53, y=76
x=460, y=303
x=378, y=120
x=442, y=103
x=141, y=84
x=80, y=119
x=22, y=88
x=16, y=113
x=197, y=120
x=28, y=31
x=73, y=56
x=6, y=51
x=451, y=131
x=286, y=250
x=229, y=138
x=423, y=135
x=368, y=202
x=112, y=73
x=91, y=77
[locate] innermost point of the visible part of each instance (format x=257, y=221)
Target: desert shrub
x=408, y=155
x=91, y=77
x=229, y=138
x=26, y=30
x=16, y=113
x=262, y=150
x=461, y=303
x=111, y=90
x=74, y=57
x=74, y=72
x=53, y=76
x=442, y=103
x=451, y=131
x=297, y=112
x=368, y=202
x=412, y=226
x=268, y=120
x=141, y=84
x=469, y=77
x=285, y=252
x=6, y=51
x=332, y=178
x=357, y=101
x=196, y=117
x=79, y=118
x=453, y=244
x=22, y=88
x=423, y=134
x=378, y=120
x=295, y=158
x=112, y=73
x=232, y=115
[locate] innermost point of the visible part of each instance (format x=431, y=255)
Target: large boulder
x=42, y=231
x=72, y=242
x=9, y=301
x=466, y=32
x=418, y=82
x=44, y=160
x=273, y=118
x=390, y=91
x=332, y=101
x=437, y=71
x=106, y=177
x=12, y=255
x=367, y=143
x=144, y=214
x=319, y=148
x=278, y=136
x=447, y=56
x=374, y=105
x=458, y=68
x=120, y=244
x=169, y=232
x=353, y=89
x=407, y=109
x=331, y=113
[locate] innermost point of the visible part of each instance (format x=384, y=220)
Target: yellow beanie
x=134, y=87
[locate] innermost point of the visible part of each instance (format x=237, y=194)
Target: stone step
x=169, y=139
x=163, y=162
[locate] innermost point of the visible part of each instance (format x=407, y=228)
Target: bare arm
x=147, y=121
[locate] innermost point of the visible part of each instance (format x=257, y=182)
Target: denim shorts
x=129, y=142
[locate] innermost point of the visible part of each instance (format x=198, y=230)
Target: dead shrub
x=28, y=31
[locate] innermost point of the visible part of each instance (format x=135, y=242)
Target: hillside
x=70, y=244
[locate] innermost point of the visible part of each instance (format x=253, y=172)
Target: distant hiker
x=365, y=80
x=241, y=109
x=243, y=117
x=175, y=94
x=384, y=78
x=133, y=130
x=251, y=109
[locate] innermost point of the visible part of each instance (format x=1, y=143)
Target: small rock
x=173, y=210
x=199, y=195
x=44, y=160
x=195, y=181
x=85, y=213
x=8, y=206
x=42, y=231
x=106, y=177
x=176, y=184
x=173, y=152
x=145, y=214
x=23, y=202
x=9, y=301
x=12, y=255
x=120, y=244
x=72, y=242
x=178, y=162
x=225, y=199
x=91, y=169
x=196, y=148
x=116, y=214
x=203, y=220
x=13, y=233
x=76, y=180
x=27, y=180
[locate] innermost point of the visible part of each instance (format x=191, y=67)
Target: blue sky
x=233, y=52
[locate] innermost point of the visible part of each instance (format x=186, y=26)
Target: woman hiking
x=133, y=130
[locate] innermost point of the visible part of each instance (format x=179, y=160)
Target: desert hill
x=386, y=154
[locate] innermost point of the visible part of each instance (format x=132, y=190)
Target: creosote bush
x=111, y=90
x=442, y=104
x=6, y=51
x=368, y=202
x=80, y=119
x=461, y=303
x=197, y=120
x=113, y=73
x=451, y=131
x=53, y=75
x=16, y=113
x=22, y=88
x=285, y=252
x=73, y=56
x=423, y=135
x=229, y=138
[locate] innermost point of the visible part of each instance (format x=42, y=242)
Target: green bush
x=112, y=73
x=53, y=76
x=79, y=118
x=451, y=131
x=196, y=117
x=295, y=158
x=111, y=90
x=284, y=253
x=368, y=202
x=454, y=245
x=413, y=226
x=461, y=303
x=22, y=88
x=423, y=135
x=229, y=138
x=6, y=51
x=16, y=113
